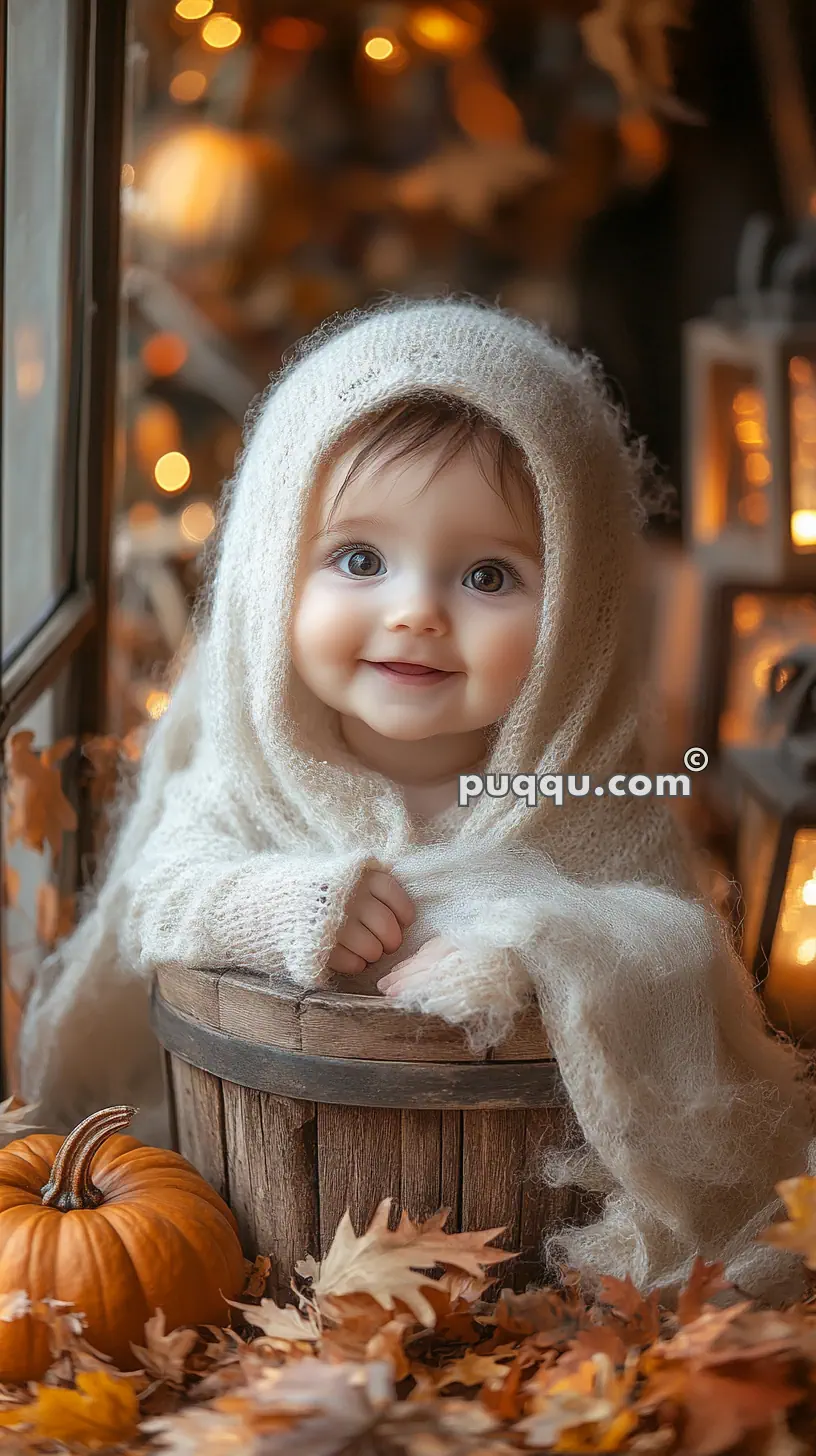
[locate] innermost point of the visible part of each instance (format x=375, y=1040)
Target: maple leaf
x=39, y=812
x=704, y=1280
x=103, y=1410
x=280, y=1324
x=382, y=1262
x=799, y=1233
x=55, y=914
x=473, y=1369
x=164, y=1355
x=719, y=1410
x=627, y=39
x=639, y=1316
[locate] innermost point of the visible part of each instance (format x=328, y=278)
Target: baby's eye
x=489, y=578
x=362, y=560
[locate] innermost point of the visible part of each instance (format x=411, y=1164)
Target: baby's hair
x=405, y=427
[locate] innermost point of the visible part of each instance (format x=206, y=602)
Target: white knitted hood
x=577, y=711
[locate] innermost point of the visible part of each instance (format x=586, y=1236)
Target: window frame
x=72, y=633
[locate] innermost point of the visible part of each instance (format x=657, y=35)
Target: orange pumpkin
x=145, y=1233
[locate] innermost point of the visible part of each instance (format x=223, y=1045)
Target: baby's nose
x=420, y=610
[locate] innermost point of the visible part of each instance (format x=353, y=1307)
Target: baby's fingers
x=344, y=962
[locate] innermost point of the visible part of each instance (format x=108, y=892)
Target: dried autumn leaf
x=258, y=1274
x=703, y=1281
x=587, y=1410
x=640, y=1316
x=278, y=1323
x=14, y=1115
x=39, y=812
x=468, y=179
x=55, y=914
x=11, y=887
x=799, y=1233
x=382, y=1262
x=164, y=1355
x=473, y=1369
x=102, y=1411
x=14, y=1306
x=719, y=1410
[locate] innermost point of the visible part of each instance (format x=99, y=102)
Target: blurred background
x=638, y=175
x=590, y=166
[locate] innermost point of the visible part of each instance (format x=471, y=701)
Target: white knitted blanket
x=253, y=824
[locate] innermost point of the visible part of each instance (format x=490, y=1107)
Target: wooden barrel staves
x=297, y=1104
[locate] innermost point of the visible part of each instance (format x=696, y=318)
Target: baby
x=416, y=616
x=428, y=564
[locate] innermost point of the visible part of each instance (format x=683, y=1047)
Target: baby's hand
x=376, y=915
x=419, y=967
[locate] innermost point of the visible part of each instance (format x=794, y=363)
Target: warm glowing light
x=143, y=514
x=747, y=614
x=29, y=361
x=806, y=951
x=809, y=892
x=757, y=469
x=803, y=528
x=172, y=472
x=188, y=86
x=754, y=508
x=761, y=672
x=747, y=402
x=441, y=30
x=750, y=432
x=379, y=48
x=220, y=32
x=197, y=521
x=291, y=33
x=157, y=703
x=193, y=9
x=800, y=371
x=128, y=174
x=156, y=431
x=804, y=408
x=164, y=354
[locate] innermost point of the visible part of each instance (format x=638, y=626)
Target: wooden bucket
x=297, y=1104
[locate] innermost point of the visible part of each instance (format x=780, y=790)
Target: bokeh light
x=221, y=32
x=188, y=86
x=164, y=354
x=193, y=9
x=197, y=521
x=172, y=472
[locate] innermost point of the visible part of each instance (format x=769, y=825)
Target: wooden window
x=61, y=104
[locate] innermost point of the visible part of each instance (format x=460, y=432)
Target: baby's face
x=445, y=578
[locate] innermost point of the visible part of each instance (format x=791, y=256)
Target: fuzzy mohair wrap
x=253, y=823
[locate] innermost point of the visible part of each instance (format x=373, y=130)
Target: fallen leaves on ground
x=378, y=1354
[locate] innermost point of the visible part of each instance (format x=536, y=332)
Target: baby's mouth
x=410, y=671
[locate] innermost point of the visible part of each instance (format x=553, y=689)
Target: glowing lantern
x=776, y=852
x=751, y=485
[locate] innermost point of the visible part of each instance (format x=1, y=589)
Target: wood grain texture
x=270, y=1154
x=359, y=1153
x=199, y=1116
x=493, y=1153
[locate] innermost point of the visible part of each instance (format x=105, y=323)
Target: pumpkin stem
x=70, y=1186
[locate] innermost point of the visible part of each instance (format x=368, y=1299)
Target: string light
x=188, y=86
x=172, y=472
x=220, y=32
x=193, y=9
x=439, y=29
x=379, y=48
x=197, y=521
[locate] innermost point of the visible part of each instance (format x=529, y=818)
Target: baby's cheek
x=327, y=633
x=503, y=654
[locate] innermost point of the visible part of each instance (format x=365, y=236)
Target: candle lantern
x=750, y=503
x=776, y=847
